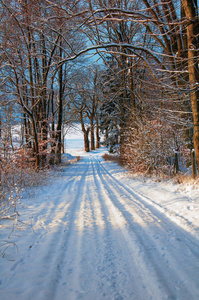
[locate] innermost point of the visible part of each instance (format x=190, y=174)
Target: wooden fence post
x=176, y=161
x=193, y=163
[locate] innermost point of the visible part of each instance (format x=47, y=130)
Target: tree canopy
x=129, y=67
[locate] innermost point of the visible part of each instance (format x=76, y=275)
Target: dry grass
x=187, y=180
x=112, y=157
x=179, y=178
x=73, y=160
x=16, y=174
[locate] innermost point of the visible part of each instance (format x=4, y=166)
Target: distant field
x=74, y=143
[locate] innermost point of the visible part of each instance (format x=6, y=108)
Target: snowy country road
x=95, y=238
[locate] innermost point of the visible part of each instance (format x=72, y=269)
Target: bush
x=151, y=149
x=112, y=157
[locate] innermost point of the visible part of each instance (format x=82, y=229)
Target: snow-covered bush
x=16, y=173
x=152, y=148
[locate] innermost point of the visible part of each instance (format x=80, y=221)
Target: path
x=97, y=238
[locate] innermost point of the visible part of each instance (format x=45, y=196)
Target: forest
x=126, y=69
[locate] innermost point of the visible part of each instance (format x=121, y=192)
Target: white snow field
x=96, y=232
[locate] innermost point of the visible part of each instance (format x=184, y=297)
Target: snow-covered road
x=95, y=237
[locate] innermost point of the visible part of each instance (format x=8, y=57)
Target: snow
x=97, y=232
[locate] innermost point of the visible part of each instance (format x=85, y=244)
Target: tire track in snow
x=153, y=206
x=89, y=258
x=154, y=245
x=91, y=263
x=53, y=210
x=144, y=280
x=70, y=269
x=157, y=212
x=104, y=266
x=67, y=233
x=48, y=251
x=126, y=279
x=102, y=240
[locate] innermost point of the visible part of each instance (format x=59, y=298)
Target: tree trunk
x=193, y=44
x=44, y=130
x=193, y=163
x=36, y=144
x=86, y=140
x=44, y=124
x=85, y=131
x=60, y=110
x=97, y=134
x=63, y=144
x=27, y=131
x=53, y=144
x=0, y=147
x=92, y=134
x=132, y=112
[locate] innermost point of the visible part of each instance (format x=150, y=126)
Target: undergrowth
x=178, y=178
x=112, y=157
x=17, y=177
x=187, y=180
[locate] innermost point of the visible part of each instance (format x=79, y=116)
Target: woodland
x=126, y=69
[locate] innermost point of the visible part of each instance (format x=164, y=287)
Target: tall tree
x=191, y=12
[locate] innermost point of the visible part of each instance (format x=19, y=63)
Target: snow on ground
x=96, y=232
